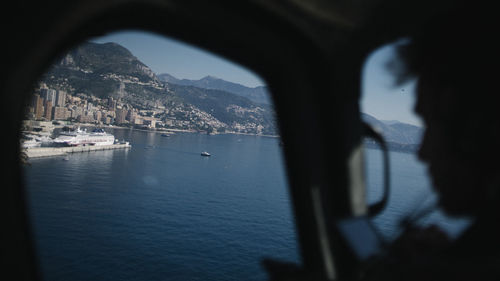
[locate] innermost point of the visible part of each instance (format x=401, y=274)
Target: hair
x=457, y=46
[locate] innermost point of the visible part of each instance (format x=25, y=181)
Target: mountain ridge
x=109, y=70
x=395, y=131
x=398, y=136
x=259, y=94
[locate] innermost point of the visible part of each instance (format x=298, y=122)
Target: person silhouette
x=454, y=57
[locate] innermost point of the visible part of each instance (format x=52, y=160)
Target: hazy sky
x=163, y=55
x=380, y=96
x=183, y=61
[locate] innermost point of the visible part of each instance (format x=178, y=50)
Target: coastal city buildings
x=60, y=106
x=57, y=105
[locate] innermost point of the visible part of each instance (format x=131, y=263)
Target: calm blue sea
x=161, y=211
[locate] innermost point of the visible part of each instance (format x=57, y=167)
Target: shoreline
x=178, y=131
x=42, y=152
x=172, y=131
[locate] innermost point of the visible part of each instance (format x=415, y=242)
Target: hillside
x=258, y=94
x=110, y=70
x=399, y=136
x=209, y=104
x=99, y=70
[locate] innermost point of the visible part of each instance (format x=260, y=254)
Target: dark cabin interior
x=309, y=52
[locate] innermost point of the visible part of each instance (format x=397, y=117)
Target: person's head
x=455, y=60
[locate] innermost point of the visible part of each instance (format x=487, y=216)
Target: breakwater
x=38, y=152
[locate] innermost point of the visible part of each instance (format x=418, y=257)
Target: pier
x=38, y=152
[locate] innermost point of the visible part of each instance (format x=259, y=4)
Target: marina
x=38, y=152
x=70, y=141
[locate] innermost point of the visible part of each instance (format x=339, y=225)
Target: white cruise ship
x=82, y=137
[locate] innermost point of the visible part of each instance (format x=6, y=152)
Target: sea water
x=161, y=211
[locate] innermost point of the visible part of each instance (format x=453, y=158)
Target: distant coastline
x=172, y=130
x=392, y=146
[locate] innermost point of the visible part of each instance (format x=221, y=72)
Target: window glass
x=149, y=159
x=389, y=109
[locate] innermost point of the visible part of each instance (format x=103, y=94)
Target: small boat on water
x=165, y=135
x=204, y=153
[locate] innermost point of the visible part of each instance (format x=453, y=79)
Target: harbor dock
x=38, y=152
